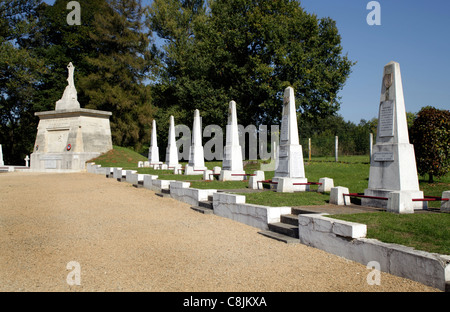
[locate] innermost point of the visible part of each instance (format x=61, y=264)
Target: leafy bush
x=430, y=134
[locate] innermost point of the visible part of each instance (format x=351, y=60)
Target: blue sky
x=414, y=33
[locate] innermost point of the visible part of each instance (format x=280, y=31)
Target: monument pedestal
x=190, y=170
x=229, y=175
x=66, y=139
x=289, y=185
x=385, y=173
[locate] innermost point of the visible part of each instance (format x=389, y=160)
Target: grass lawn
x=120, y=157
x=275, y=199
x=423, y=231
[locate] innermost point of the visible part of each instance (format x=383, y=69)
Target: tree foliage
x=118, y=67
x=430, y=134
x=20, y=73
x=247, y=51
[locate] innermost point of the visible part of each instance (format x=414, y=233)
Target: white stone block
x=161, y=184
x=117, y=173
x=148, y=180
x=445, y=205
x=109, y=172
x=253, y=180
x=207, y=175
x=326, y=186
x=164, y=167
x=189, y=170
x=128, y=173
x=228, y=175
x=287, y=185
x=217, y=170
x=400, y=202
x=135, y=178
x=322, y=224
x=337, y=195
x=349, y=229
x=179, y=185
x=140, y=164
x=178, y=169
x=228, y=198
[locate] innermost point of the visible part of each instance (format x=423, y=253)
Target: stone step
x=289, y=219
x=280, y=237
x=285, y=229
x=203, y=210
x=206, y=204
x=297, y=211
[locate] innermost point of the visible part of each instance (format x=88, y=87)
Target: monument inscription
x=386, y=121
x=383, y=156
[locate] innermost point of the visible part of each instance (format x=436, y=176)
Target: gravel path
x=128, y=239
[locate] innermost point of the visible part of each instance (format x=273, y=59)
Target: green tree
x=430, y=134
x=249, y=51
x=20, y=72
x=57, y=43
x=121, y=63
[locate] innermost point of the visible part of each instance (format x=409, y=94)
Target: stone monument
x=172, y=150
x=2, y=163
x=393, y=163
x=233, y=168
x=290, y=169
x=69, y=136
x=153, y=150
x=196, y=163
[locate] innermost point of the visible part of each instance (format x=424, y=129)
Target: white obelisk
x=290, y=167
x=153, y=152
x=233, y=168
x=196, y=163
x=2, y=163
x=172, y=151
x=393, y=164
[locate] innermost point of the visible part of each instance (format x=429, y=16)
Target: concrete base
x=234, y=207
x=189, y=170
x=253, y=180
x=181, y=191
x=380, y=203
x=228, y=175
x=337, y=195
x=60, y=162
x=445, y=205
x=148, y=181
x=286, y=185
x=326, y=186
